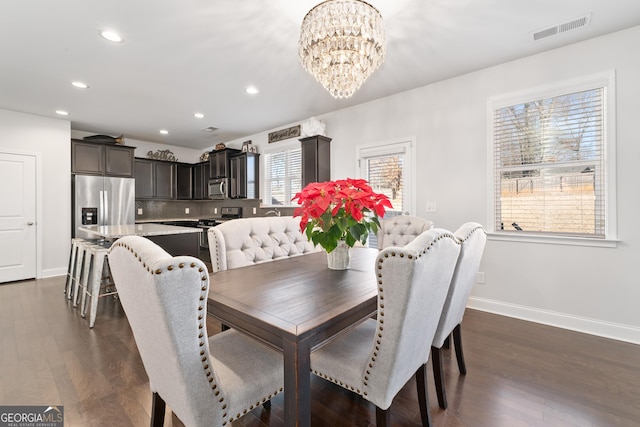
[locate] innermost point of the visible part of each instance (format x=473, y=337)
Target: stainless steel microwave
x=218, y=188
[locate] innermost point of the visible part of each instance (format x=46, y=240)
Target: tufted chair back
x=413, y=285
x=248, y=241
x=400, y=230
x=160, y=296
x=473, y=239
x=377, y=358
x=207, y=381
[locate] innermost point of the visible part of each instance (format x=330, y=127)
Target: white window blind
x=282, y=176
x=549, y=165
x=384, y=169
x=385, y=175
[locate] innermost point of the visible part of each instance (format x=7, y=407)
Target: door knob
x=30, y=223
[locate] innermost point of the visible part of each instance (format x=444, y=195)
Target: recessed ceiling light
x=80, y=85
x=111, y=36
x=62, y=112
x=252, y=90
x=198, y=115
x=164, y=132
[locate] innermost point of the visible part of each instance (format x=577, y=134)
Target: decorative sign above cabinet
x=287, y=133
x=162, y=155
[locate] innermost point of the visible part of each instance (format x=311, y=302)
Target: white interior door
x=17, y=217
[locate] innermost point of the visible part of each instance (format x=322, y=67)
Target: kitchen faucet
x=276, y=212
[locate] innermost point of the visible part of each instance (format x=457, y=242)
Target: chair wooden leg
x=267, y=404
x=158, y=407
x=383, y=417
x=423, y=395
x=438, y=376
x=447, y=342
x=457, y=340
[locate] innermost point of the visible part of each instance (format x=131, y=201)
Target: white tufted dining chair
x=377, y=358
x=248, y=241
x=400, y=230
x=473, y=239
x=207, y=381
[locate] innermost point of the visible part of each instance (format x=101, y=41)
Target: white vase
x=340, y=257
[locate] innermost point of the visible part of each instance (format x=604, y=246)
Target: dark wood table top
x=298, y=295
x=295, y=304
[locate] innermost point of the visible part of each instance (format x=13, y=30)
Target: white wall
x=589, y=289
x=583, y=288
x=49, y=140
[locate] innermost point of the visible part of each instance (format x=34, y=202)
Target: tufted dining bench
x=247, y=241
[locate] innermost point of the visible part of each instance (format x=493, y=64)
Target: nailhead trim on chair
x=380, y=325
x=473, y=230
x=217, y=248
x=202, y=319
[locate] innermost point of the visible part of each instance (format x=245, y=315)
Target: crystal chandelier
x=341, y=43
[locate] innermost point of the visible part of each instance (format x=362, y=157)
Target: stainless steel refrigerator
x=100, y=200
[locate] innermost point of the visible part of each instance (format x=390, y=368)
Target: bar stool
x=82, y=252
x=95, y=272
x=81, y=248
x=73, y=265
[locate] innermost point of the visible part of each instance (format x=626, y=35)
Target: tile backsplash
x=176, y=209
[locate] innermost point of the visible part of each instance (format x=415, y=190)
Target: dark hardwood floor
x=519, y=373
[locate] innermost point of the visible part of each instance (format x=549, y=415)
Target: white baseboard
x=586, y=325
x=53, y=272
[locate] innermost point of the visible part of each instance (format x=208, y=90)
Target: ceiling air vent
x=574, y=24
x=209, y=129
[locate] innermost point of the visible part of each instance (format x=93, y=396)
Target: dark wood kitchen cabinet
x=155, y=179
x=316, y=159
x=184, y=179
x=244, y=176
x=96, y=158
x=200, y=180
x=219, y=162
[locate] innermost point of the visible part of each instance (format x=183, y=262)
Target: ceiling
x=187, y=56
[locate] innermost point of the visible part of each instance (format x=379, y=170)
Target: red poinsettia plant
x=346, y=209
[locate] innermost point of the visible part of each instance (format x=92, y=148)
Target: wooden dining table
x=295, y=305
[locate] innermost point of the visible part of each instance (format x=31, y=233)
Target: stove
x=207, y=223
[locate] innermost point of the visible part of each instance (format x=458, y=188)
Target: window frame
x=605, y=80
x=406, y=146
x=271, y=149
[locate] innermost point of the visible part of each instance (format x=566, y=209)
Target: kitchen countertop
x=147, y=229
x=151, y=221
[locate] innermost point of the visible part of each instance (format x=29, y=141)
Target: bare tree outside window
x=385, y=176
x=549, y=165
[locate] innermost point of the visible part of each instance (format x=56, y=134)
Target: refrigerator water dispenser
x=89, y=216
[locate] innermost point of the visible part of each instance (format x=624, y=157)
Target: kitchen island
x=173, y=239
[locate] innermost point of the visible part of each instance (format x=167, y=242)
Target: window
x=550, y=170
x=387, y=168
x=282, y=174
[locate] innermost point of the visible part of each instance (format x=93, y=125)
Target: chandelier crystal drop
x=341, y=43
